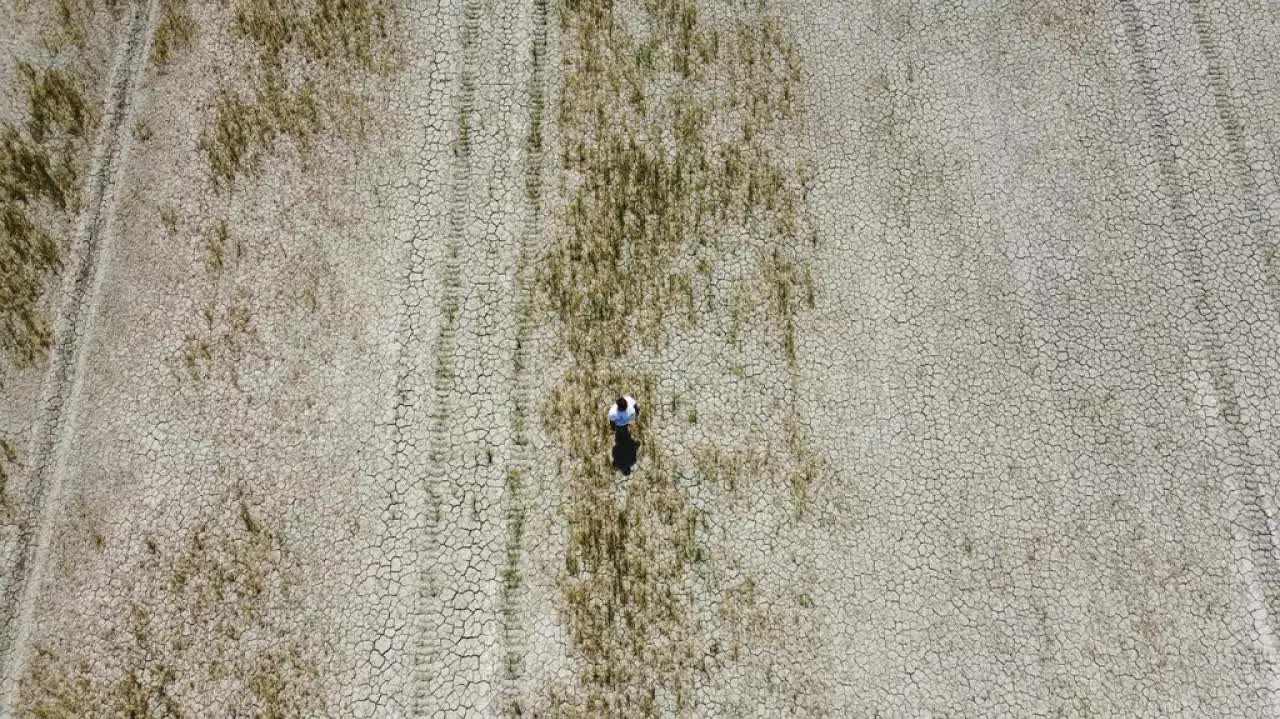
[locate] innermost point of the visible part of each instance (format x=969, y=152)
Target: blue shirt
x=622, y=419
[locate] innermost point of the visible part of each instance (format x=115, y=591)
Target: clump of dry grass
x=752, y=615
x=199, y=614
x=8, y=460
x=220, y=250
x=226, y=335
x=55, y=104
x=226, y=328
x=247, y=128
x=142, y=132
x=341, y=34
x=175, y=32
x=668, y=171
x=345, y=41
x=511, y=572
x=40, y=163
x=766, y=462
x=71, y=22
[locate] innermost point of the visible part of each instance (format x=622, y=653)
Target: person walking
x=621, y=414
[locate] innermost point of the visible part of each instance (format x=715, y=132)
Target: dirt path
x=58, y=416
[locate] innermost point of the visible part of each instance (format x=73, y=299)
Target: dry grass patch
x=226, y=335
x=70, y=22
x=308, y=66
x=8, y=462
x=201, y=624
x=175, y=32
x=227, y=329
x=42, y=160
x=220, y=251
x=247, y=127
x=335, y=44
x=40, y=168
x=766, y=465
x=669, y=122
x=341, y=34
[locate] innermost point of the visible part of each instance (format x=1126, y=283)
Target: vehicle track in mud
x=461, y=617
x=1253, y=542
x=515, y=500
x=74, y=328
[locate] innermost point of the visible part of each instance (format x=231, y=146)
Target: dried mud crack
x=953, y=329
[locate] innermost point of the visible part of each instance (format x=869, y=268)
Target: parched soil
x=953, y=330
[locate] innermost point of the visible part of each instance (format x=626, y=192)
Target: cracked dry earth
x=955, y=328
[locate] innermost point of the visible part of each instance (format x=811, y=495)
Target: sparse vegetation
x=169, y=219
x=515, y=534
x=226, y=335
x=341, y=34
x=226, y=328
x=72, y=21
x=669, y=125
x=219, y=248
x=511, y=576
x=752, y=615
x=765, y=463
x=142, y=132
x=669, y=173
x=8, y=460
x=348, y=39
x=41, y=163
x=40, y=168
x=175, y=32
x=246, y=128
x=199, y=614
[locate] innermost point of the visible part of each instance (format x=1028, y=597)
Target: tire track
x=64, y=376
x=429, y=636
x=1252, y=539
x=515, y=504
x=1233, y=131
x=460, y=624
x=1221, y=90
x=1255, y=507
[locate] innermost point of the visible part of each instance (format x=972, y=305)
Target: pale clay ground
x=1043, y=365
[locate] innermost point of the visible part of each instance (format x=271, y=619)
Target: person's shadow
x=624, y=449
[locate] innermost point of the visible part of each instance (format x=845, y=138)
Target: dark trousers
x=624, y=449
